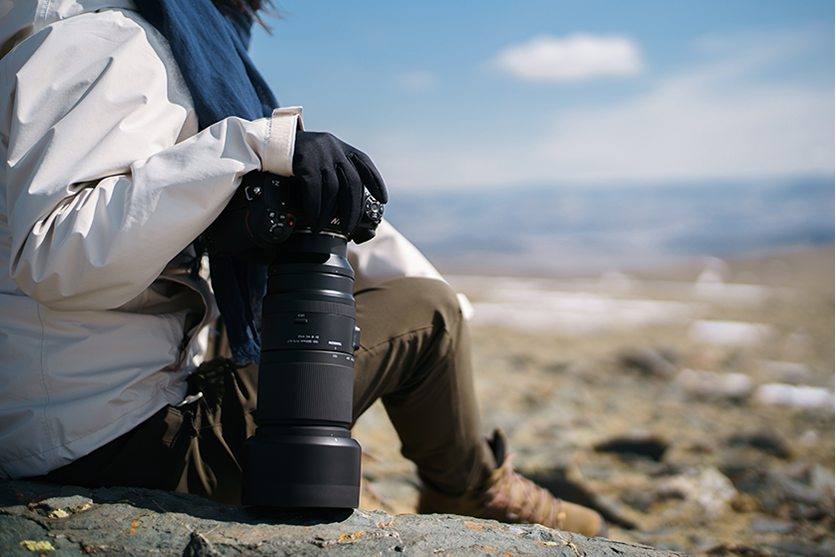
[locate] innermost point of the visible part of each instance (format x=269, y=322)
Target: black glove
x=332, y=176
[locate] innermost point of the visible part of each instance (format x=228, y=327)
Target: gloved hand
x=332, y=174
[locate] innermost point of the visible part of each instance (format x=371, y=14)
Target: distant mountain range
x=562, y=230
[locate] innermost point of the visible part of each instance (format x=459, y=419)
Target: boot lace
x=513, y=498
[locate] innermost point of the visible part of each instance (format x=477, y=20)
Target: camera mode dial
x=280, y=224
x=270, y=220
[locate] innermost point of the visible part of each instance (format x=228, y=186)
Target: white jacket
x=106, y=182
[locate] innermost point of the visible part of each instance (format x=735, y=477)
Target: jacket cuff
x=281, y=141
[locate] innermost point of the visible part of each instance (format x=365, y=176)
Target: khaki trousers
x=414, y=355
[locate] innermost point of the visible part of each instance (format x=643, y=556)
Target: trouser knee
x=405, y=306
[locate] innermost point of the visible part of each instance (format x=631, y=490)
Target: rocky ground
x=44, y=520
x=693, y=406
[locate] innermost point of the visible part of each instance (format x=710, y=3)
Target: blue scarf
x=210, y=44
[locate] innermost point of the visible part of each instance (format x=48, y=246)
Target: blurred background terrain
x=593, y=229
x=691, y=404
x=638, y=200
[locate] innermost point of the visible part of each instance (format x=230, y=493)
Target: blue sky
x=472, y=94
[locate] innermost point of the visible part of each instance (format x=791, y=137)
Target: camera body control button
x=281, y=224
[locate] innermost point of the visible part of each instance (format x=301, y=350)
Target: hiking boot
x=508, y=497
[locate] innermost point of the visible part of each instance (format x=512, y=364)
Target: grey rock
x=130, y=521
x=771, y=525
x=711, y=386
x=800, y=548
x=62, y=507
x=769, y=442
x=650, y=362
x=706, y=486
x=792, y=490
x=636, y=443
x=821, y=479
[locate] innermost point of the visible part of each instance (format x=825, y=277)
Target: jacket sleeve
x=387, y=256
x=106, y=181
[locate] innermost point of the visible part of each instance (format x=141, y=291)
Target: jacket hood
x=20, y=19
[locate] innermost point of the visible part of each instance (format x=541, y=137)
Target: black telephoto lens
x=302, y=454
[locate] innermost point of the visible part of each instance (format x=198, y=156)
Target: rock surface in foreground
x=43, y=519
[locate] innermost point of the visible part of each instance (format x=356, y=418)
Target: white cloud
x=710, y=122
x=576, y=57
x=684, y=130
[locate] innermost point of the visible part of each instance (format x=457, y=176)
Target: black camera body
x=302, y=453
x=265, y=210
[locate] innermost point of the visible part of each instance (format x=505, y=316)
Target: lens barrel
x=302, y=453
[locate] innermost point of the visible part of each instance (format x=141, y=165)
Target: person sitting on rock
x=127, y=126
